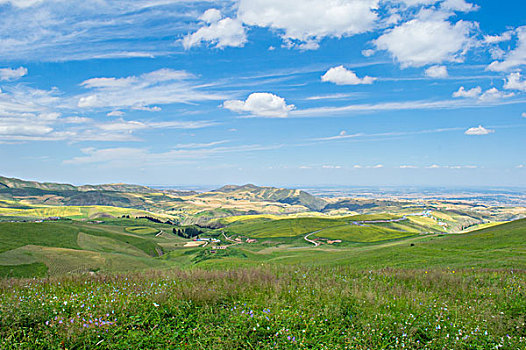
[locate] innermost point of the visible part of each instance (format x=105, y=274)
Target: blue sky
x=304, y=92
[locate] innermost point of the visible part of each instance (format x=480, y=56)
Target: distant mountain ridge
x=141, y=197
x=273, y=194
x=6, y=182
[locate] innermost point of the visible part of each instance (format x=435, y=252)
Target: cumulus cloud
x=261, y=104
x=494, y=94
x=495, y=39
x=368, y=52
x=489, y=95
x=219, y=32
x=163, y=86
x=514, y=58
x=479, y=130
x=427, y=39
x=10, y=74
x=458, y=5
x=515, y=82
x=342, y=76
x=471, y=93
x=437, y=72
x=306, y=22
x=211, y=16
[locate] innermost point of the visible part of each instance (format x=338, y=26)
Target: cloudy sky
x=273, y=92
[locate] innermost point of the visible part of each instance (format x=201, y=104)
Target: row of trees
x=187, y=232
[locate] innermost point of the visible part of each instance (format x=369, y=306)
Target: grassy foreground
x=268, y=308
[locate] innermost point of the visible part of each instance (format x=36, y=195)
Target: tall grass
x=268, y=308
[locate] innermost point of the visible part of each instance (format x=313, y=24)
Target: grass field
x=142, y=230
x=269, y=308
x=386, y=286
x=69, y=247
x=72, y=212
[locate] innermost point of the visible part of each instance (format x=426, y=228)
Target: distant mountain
x=117, y=188
x=6, y=182
x=118, y=195
x=273, y=194
x=203, y=206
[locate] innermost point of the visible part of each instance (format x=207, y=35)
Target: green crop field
x=366, y=233
x=142, y=230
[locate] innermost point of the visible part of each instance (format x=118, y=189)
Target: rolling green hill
x=69, y=247
x=58, y=248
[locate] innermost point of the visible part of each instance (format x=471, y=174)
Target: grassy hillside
x=128, y=244
x=66, y=247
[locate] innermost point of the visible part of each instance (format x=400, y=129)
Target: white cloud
x=308, y=21
x=261, y=104
x=21, y=3
x=331, y=166
x=494, y=94
x=342, y=76
x=40, y=30
x=131, y=125
x=515, y=82
x=480, y=130
x=408, y=167
x=211, y=16
x=427, y=39
x=495, y=39
x=129, y=157
x=368, y=52
x=331, y=97
x=88, y=101
x=377, y=166
x=115, y=114
x=418, y=2
x=10, y=74
x=28, y=114
x=514, y=58
x=163, y=86
x=147, y=109
x=458, y=5
x=523, y=115
x=76, y=120
x=471, y=93
x=497, y=53
x=437, y=72
x=219, y=32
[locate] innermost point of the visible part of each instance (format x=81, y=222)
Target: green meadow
x=126, y=283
